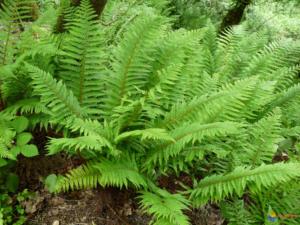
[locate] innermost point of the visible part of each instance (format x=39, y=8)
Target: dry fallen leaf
x=56, y=222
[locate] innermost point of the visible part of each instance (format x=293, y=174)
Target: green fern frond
x=55, y=95
x=284, y=200
x=87, y=127
x=166, y=208
x=96, y=136
x=12, y=17
x=219, y=187
x=261, y=143
x=120, y=173
x=190, y=133
x=164, y=57
x=81, y=58
x=285, y=96
x=236, y=48
x=286, y=77
x=84, y=143
x=227, y=103
x=85, y=176
x=269, y=60
x=27, y=106
x=117, y=173
x=4, y=151
x=151, y=133
x=236, y=213
x=132, y=62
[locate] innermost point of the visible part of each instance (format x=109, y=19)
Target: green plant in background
x=278, y=19
x=13, y=213
x=217, y=109
x=138, y=101
x=14, y=140
x=195, y=14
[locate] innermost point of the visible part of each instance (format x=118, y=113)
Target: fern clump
x=157, y=101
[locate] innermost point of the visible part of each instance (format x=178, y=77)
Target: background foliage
x=147, y=89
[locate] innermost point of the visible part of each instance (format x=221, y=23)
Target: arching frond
x=192, y=133
x=132, y=62
x=81, y=58
x=227, y=102
x=55, y=95
x=13, y=13
x=261, y=141
x=218, y=187
x=84, y=143
x=85, y=176
x=167, y=208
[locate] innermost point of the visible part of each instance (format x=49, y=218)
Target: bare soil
x=108, y=206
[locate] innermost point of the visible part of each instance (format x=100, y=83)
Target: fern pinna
x=168, y=102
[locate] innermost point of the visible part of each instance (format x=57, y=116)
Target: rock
x=56, y=222
x=127, y=210
x=55, y=212
x=56, y=201
x=32, y=205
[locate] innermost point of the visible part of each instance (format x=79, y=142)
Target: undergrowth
x=139, y=100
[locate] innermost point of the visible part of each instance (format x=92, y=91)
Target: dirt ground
x=108, y=206
x=90, y=207
x=103, y=207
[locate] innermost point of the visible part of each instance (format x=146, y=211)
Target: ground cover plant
x=140, y=100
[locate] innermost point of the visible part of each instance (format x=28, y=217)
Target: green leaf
x=50, y=183
x=15, y=151
x=12, y=182
x=151, y=133
x=23, y=138
x=20, y=124
x=220, y=186
x=30, y=150
x=3, y=162
x=166, y=208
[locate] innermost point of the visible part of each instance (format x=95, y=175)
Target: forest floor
x=108, y=206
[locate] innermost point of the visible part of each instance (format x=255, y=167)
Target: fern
x=261, y=142
x=217, y=187
x=190, y=133
x=105, y=173
x=79, y=178
x=84, y=143
x=130, y=65
x=167, y=208
x=12, y=17
x=230, y=209
x=81, y=57
x=55, y=95
x=138, y=100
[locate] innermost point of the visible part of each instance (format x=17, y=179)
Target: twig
x=116, y=214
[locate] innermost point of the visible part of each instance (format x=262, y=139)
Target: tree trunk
x=235, y=15
x=98, y=6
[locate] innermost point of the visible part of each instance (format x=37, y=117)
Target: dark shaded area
x=2, y=105
x=100, y=207
x=234, y=15
x=108, y=206
x=98, y=6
